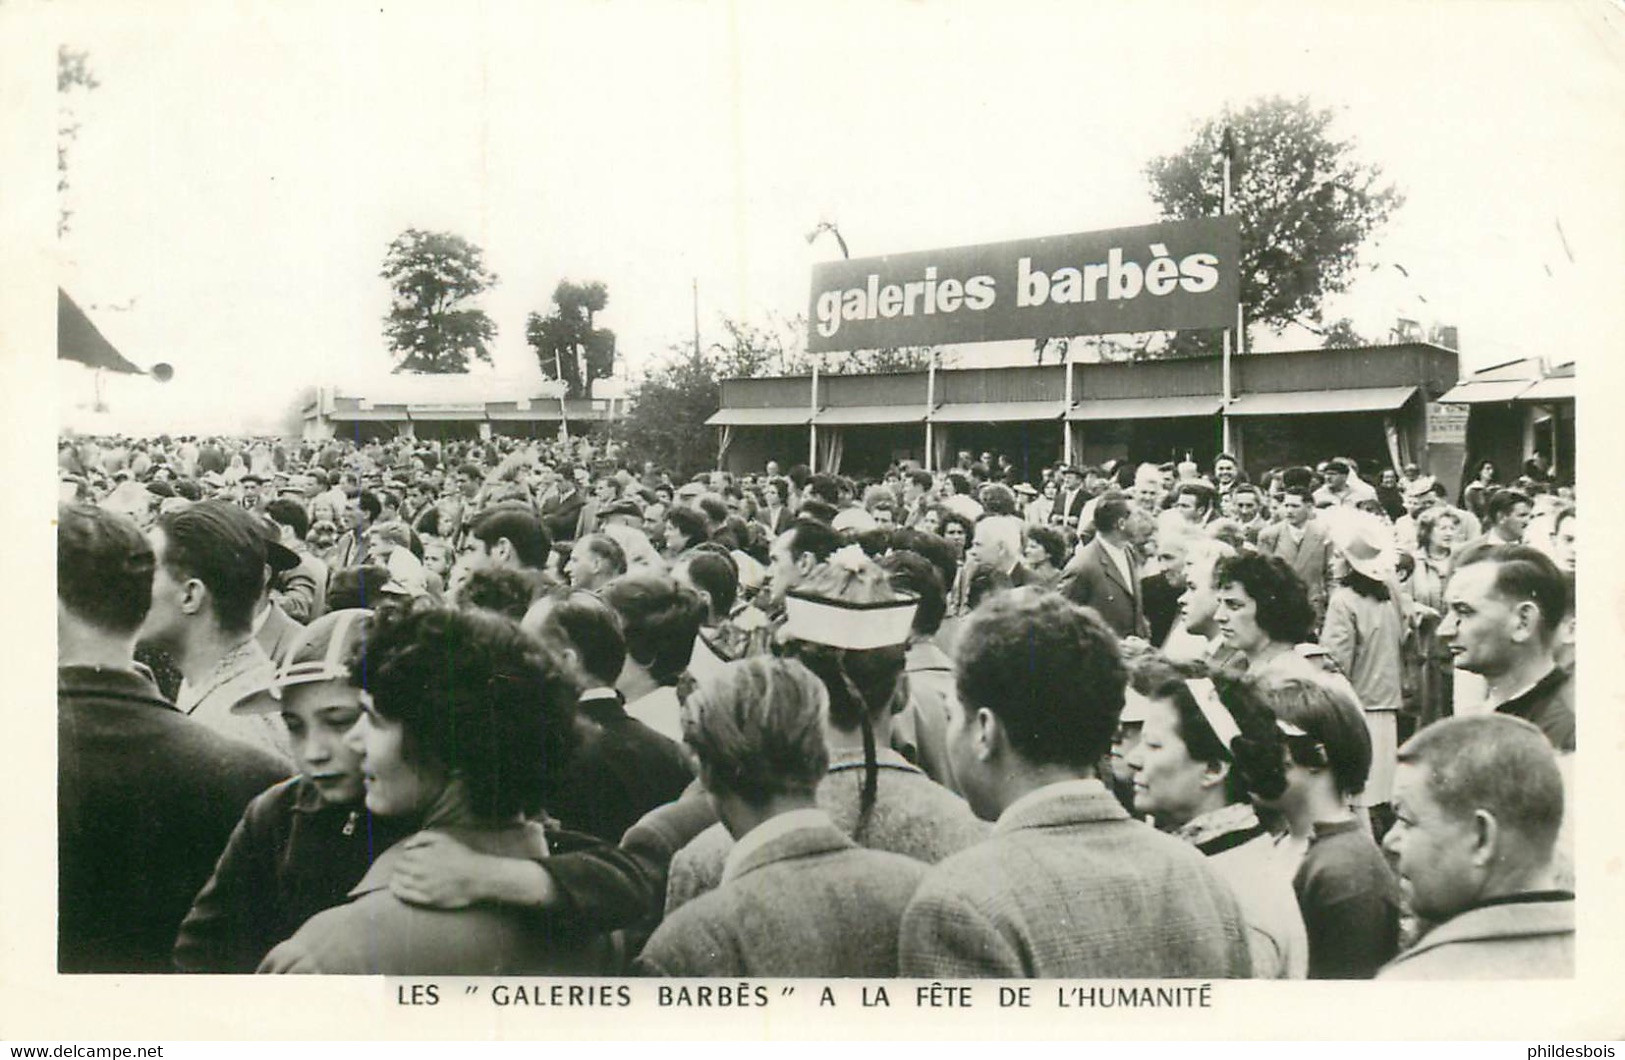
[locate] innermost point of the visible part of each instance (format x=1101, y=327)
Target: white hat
x=1367, y=543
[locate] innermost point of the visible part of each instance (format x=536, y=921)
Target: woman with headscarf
x=849, y=627
x=1206, y=746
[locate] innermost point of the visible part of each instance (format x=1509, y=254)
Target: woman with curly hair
x=466, y=725
x=1263, y=614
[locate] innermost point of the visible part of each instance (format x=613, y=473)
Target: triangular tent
x=78, y=340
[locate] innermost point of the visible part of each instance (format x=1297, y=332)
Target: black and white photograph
x=856, y=510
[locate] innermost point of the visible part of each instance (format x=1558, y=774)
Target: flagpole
x=1227, y=148
x=812, y=425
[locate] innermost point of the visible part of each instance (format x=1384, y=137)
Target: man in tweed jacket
x=797, y=897
x=1068, y=885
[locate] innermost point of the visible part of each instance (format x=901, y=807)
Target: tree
x=432, y=326
x=665, y=422
x=1306, y=204
x=72, y=72
x=566, y=341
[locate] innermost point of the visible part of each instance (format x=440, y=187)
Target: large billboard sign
x=1181, y=274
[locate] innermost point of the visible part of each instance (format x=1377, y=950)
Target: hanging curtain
x=942, y=447
x=725, y=439
x=831, y=443
x=1398, y=445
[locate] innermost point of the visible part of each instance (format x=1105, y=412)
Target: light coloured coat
x=810, y=903
x=1070, y=886
x=1525, y=940
x=912, y=816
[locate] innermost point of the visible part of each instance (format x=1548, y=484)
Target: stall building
x=459, y=407
x=1370, y=403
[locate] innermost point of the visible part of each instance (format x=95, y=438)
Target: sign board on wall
x=1180, y=274
x=1447, y=424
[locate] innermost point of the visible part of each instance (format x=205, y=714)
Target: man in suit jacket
x=1068, y=885
x=1106, y=574
x=623, y=769
x=1303, y=543
x=798, y=897
x=1070, y=499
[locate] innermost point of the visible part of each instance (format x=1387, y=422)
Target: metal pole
x=1224, y=397
x=812, y=426
x=696, y=318
x=1066, y=416
x=930, y=408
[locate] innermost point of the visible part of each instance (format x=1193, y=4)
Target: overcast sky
x=242, y=168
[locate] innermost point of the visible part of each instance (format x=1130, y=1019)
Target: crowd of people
x=512, y=706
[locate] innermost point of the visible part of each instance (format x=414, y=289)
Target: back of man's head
x=104, y=568
x=222, y=546
x=812, y=537
x=826, y=488
x=291, y=514
x=1499, y=765
x=1048, y=670
x=659, y=619
x=588, y=625
x=529, y=538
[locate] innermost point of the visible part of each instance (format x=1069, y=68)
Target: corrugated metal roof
x=1310, y=402
x=1146, y=408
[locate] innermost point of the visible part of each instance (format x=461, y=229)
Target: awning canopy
x=395, y=415
x=873, y=414
x=1313, y=402
x=1552, y=388
x=774, y=417
x=1485, y=391
x=78, y=340
x=1146, y=408
x=430, y=413
x=1000, y=412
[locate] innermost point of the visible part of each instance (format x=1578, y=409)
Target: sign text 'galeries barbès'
x=1182, y=274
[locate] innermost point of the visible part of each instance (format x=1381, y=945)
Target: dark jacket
x=622, y=770
x=1094, y=580
x=146, y=799
x=291, y=856
x=1350, y=902
x=1161, y=601
x=1549, y=706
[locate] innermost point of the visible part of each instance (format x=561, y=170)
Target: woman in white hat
x=1363, y=634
